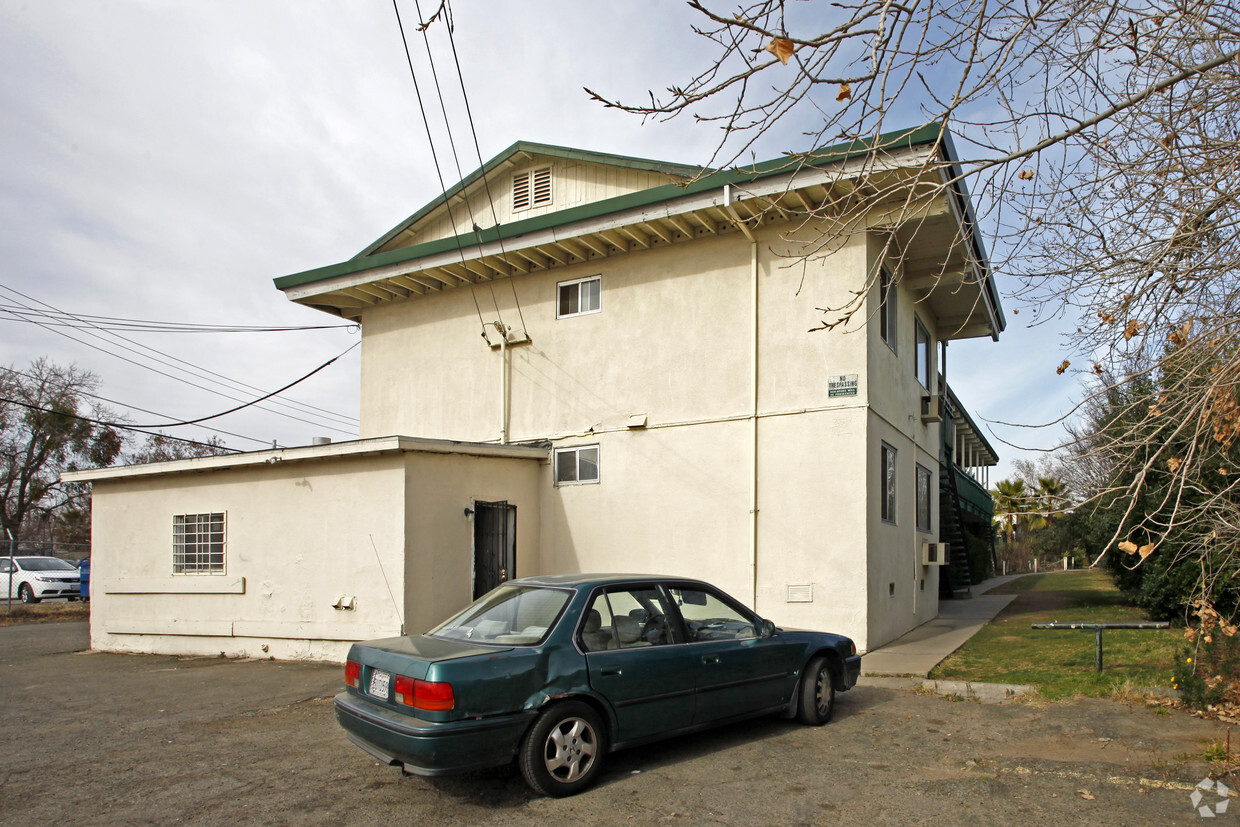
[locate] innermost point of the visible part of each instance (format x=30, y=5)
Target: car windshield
x=43, y=564
x=507, y=616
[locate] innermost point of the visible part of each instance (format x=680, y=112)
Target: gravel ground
x=136, y=739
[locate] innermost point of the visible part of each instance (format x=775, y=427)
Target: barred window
x=198, y=543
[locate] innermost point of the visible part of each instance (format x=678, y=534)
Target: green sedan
x=557, y=671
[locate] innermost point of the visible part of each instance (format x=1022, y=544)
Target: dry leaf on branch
x=1174, y=464
x=1128, y=547
x=845, y=92
x=1066, y=364
x=1132, y=329
x=1026, y=175
x=1146, y=550
x=782, y=48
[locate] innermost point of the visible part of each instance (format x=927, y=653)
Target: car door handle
x=610, y=672
x=710, y=659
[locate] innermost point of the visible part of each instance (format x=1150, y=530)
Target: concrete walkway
x=922, y=649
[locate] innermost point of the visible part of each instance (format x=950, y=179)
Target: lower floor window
x=924, y=483
x=574, y=466
x=888, y=501
x=198, y=543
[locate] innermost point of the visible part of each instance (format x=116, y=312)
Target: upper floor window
x=531, y=188
x=578, y=297
x=575, y=466
x=887, y=307
x=198, y=543
x=924, y=354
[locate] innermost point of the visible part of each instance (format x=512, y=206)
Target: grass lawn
x=1060, y=663
x=49, y=611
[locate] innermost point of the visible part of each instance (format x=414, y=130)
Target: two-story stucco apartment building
x=574, y=361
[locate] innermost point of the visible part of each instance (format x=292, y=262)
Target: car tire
x=563, y=751
x=26, y=593
x=817, y=693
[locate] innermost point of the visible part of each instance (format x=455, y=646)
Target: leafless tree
x=1100, y=139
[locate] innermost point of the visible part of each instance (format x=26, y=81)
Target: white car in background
x=32, y=579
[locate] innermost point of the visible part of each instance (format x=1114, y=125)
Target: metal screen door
x=495, y=545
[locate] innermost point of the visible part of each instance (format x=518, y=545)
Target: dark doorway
x=495, y=545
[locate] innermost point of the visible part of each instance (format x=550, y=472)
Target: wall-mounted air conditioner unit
x=933, y=554
x=931, y=408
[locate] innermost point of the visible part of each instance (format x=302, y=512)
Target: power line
x=201, y=418
x=144, y=410
x=469, y=114
x=67, y=319
x=118, y=425
x=196, y=371
x=456, y=159
x=435, y=158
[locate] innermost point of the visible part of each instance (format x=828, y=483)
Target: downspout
x=503, y=380
x=753, y=391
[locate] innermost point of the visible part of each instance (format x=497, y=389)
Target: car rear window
x=507, y=616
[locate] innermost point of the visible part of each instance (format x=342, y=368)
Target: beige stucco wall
x=298, y=539
x=439, y=535
x=894, y=417
x=673, y=342
x=384, y=534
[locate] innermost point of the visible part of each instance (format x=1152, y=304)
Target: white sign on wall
x=842, y=385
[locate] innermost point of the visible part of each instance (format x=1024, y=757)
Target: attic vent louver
x=531, y=188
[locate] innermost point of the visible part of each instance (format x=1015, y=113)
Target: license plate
x=379, y=683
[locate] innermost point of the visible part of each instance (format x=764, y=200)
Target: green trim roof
x=902, y=139
x=685, y=171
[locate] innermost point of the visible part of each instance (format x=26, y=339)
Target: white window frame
x=576, y=451
x=887, y=479
x=201, y=555
x=564, y=285
x=532, y=188
x=922, y=360
x=887, y=327
x=925, y=507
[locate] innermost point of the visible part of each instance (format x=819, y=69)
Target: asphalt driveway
x=94, y=738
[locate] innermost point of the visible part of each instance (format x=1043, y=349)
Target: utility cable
x=435, y=158
x=143, y=410
x=181, y=379
x=481, y=164
x=117, y=425
x=203, y=418
x=456, y=158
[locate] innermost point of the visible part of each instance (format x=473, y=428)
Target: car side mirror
x=768, y=629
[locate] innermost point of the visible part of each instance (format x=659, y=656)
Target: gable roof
x=529, y=148
x=699, y=202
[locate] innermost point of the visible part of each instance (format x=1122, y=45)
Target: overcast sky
x=165, y=161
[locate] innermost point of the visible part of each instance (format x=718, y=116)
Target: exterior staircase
x=955, y=578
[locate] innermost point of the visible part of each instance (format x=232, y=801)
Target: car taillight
x=352, y=673
x=428, y=695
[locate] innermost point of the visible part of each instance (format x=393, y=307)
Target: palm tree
x=1010, y=502
x=1052, y=494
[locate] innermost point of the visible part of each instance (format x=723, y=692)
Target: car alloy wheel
x=817, y=690
x=563, y=751
x=27, y=594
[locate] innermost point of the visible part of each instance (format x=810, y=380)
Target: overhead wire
x=196, y=371
x=67, y=319
x=144, y=410
x=435, y=159
x=456, y=158
x=478, y=151
x=86, y=328
x=117, y=425
x=210, y=416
